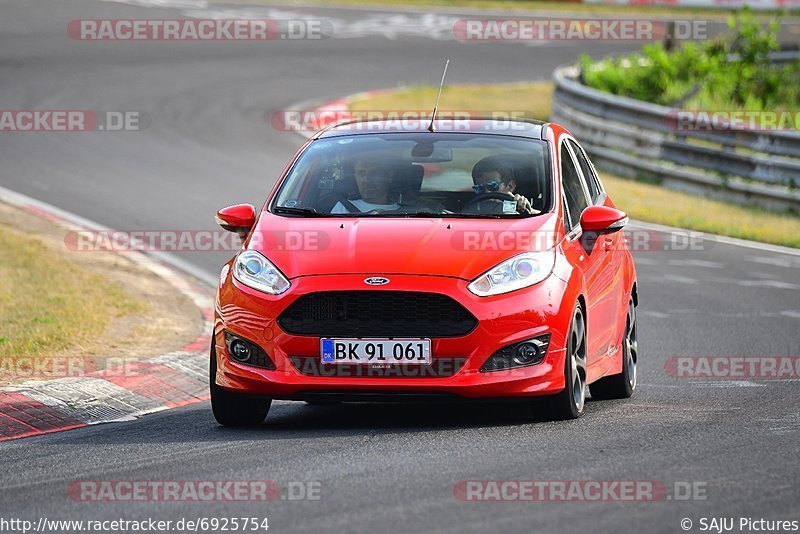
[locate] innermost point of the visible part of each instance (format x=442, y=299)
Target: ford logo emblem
x=376, y=281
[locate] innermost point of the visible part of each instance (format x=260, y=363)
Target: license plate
x=376, y=351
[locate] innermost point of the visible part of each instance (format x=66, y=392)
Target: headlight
x=254, y=270
x=518, y=272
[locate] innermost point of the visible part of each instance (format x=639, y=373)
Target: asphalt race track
x=381, y=468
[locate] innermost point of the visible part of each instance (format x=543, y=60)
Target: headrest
x=406, y=178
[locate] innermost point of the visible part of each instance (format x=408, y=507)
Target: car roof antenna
x=431, y=127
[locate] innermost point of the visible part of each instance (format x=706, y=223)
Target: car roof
x=517, y=127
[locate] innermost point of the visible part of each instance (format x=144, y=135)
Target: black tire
x=622, y=385
x=231, y=409
x=570, y=403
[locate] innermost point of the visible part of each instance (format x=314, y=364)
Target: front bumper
x=502, y=320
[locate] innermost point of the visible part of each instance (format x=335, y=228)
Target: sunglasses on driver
x=489, y=187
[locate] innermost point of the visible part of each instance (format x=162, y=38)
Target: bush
x=701, y=75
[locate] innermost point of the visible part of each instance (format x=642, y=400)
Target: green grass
x=523, y=100
x=652, y=203
x=50, y=305
x=642, y=201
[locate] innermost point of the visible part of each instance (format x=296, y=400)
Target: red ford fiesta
x=468, y=259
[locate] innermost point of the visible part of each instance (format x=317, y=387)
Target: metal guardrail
x=637, y=139
x=705, y=4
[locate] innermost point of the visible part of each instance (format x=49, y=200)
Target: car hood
x=461, y=248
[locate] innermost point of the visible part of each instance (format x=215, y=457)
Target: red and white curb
x=336, y=109
x=150, y=385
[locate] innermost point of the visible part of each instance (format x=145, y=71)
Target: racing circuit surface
x=381, y=468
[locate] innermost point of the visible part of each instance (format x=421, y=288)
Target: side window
x=591, y=179
x=573, y=188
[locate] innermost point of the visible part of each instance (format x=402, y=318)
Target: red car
x=468, y=259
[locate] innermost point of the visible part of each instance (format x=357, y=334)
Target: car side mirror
x=603, y=219
x=239, y=219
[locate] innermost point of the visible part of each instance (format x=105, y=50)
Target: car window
x=400, y=174
x=588, y=174
x=573, y=188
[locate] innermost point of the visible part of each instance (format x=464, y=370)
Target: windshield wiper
x=425, y=214
x=291, y=210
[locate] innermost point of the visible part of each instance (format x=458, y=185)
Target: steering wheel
x=495, y=196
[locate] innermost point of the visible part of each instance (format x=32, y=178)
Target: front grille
x=439, y=368
x=377, y=314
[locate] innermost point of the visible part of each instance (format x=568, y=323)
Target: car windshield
x=418, y=174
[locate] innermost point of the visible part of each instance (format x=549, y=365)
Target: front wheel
x=621, y=386
x=569, y=404
x=231, y=409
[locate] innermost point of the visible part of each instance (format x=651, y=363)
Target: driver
x=373, y=178
x=494, y=179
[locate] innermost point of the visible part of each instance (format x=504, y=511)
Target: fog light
x=522, y=354
x=525, y=354
x=240, y=351
x=245, y=351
